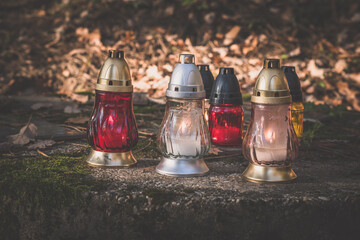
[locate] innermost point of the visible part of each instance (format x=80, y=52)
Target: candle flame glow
x=269, y=135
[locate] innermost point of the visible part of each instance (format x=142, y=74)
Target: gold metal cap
x=271, y=86
x=115, y=74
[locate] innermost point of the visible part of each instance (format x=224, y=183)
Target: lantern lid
x=114, y=74
x=226, y=89
x=186, y=82
x=271, y=86
x=207, y=79
x=293, y=82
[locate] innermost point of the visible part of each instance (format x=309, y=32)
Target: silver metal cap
x=186, y=82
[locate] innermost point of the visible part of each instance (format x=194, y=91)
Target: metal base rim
x=182, y=167
x=111, y=160
x=256, y=173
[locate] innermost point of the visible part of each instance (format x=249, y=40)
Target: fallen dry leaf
x=340, y=66
x=40, y=144
x=314, y=70
x=37, y=106
x=80, y=98
x=169, y=11
x=355, y=18
x=250, y=44
x=295, y=52
x=209, y=18
x=94, y=38
x=349, y=94
x=235, y=48
x=231, y=35
x=26, y=134
x=353, y=76
x=215, y=151
x=72, y=109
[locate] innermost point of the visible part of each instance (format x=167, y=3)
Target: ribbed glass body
x=226, y=124
x=270, y=139
x=297, y=117
x=112, y=126
x=183, y=133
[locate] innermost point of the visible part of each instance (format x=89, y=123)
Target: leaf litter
x=26, y=134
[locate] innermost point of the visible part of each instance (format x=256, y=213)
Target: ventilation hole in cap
x=276, y=94
x=194, y=89
x=110, y=83
x=216, y=95
x=176, y=89
x=127, y=83
x=258, y=94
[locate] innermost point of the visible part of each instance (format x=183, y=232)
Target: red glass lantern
x=226, y=112
x=112, y=129
x=226, y=125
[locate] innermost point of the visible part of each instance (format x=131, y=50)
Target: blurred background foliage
x=57, y=47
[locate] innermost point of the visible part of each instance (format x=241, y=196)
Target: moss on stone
x=326, y=109
x=146, y=149
x=38, y=185
x=333, y=124
x=246, y=97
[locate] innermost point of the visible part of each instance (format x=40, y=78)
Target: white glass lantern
x=184, y=138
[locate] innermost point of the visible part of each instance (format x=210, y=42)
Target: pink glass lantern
x=270, y=142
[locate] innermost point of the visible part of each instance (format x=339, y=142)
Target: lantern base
x=256, y=173
x=107, y=159
x=182, y=167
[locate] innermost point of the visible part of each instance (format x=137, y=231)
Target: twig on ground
x=41, y=153
x=77, y=128
x=147, y=145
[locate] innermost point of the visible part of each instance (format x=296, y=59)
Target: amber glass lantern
x=112, y=131
x=270, y=143
x=297, y=106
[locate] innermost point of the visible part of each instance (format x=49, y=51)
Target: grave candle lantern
x=208, y=81
x=297, y=106
x=270, y=142
x=226, y=112
x=112, y=131
x=183, y=138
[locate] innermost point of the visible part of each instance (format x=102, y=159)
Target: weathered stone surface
x=323, y=203
x=137, y=203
